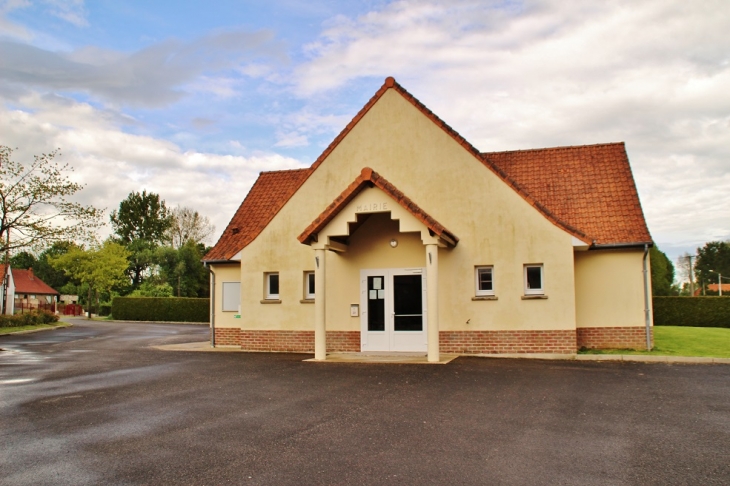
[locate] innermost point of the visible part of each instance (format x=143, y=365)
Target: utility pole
x=691, y=279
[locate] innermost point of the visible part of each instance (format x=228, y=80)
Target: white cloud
x=547, y=73
x=113, y=163
x=151, y=77
x=9, y=28
x=72, y=11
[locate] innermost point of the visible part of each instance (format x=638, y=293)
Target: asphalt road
x=94, y=404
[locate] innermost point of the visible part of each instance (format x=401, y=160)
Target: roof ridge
x=283, y=170
x=559, y=147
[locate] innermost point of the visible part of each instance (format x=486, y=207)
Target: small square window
x=533, y=280
x=309, y=285
x=484, y=280
x=272, y=286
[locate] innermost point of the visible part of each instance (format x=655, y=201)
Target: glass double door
x=393, y=310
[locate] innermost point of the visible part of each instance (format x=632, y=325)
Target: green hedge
x=177, y=309
x=32, y=318
x=692, y=311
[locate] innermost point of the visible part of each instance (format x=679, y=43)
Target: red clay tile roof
x=265, y=199
x=602, y=205
x=27, y=283
x=715, y=288
x=369, y=176
x=587, y=187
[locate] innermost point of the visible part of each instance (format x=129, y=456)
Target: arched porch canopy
x=345, y=214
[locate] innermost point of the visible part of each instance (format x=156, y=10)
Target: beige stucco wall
x=225, y=273
x=495, y=226
x=610, y=288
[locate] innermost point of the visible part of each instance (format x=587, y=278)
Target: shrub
x=32, y=318
x=176, y=309
x=692, y=311
x=105, y=310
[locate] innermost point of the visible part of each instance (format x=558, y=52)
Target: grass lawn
x=8, y=330
x=683, y=341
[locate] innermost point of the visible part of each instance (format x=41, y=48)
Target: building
x=713, y=287
x=30, y=291
x=403, y=237
x=7, y=290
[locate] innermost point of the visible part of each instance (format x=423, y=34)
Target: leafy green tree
x=23, y=260
x=713, y=259
x=183, y=270
x=46, y=272
x=140, y=225
x=153, y=288
x=34, y=205
x=141, y=217
x=100, y=268
x=662, y=273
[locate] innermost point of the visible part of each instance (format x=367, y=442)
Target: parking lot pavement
x=96, y=403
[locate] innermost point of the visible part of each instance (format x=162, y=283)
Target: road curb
x=160, y=322
x=31, y=331
x=636, y=358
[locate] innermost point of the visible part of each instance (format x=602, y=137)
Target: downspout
x=212, y=304
x=647, y=290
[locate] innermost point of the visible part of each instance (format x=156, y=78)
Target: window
x=484, y=280
x=533, y=280
x=231, y=296
x=309, y=285
x=272, y=286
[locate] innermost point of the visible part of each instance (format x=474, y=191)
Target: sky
x=193, y=99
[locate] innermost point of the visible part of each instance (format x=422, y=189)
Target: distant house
x=715, y=288
x=30, y=291
x=7, y=281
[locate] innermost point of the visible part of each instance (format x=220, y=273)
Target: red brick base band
x=286, y=341
x=613, y=337
x=227, y=336
x=460, y=342
x=494, y=342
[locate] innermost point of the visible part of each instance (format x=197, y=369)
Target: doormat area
x=404, y=358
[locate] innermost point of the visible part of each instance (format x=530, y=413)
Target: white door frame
x=391, y=340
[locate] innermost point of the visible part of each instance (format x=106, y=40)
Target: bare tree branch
x=35, y=210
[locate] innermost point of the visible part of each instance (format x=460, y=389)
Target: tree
x=140, y=225
x=48, y=273
x=682, y=266
x=34, y=204
x=101, y=268
x=183, y=270
x=662, y=273
x=23, y=260
x=141, y=217
x=187, y=224
x=712, y=259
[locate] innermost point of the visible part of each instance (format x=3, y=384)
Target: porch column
x=432, y=305
x=320, y=331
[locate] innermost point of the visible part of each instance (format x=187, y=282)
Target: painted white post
x=320, y=330
x=432, y=303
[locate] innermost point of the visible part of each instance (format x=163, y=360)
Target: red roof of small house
x=265, y=199
x=27, y=283
x=715, y=288
x=369, y=176
x=588, y=191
